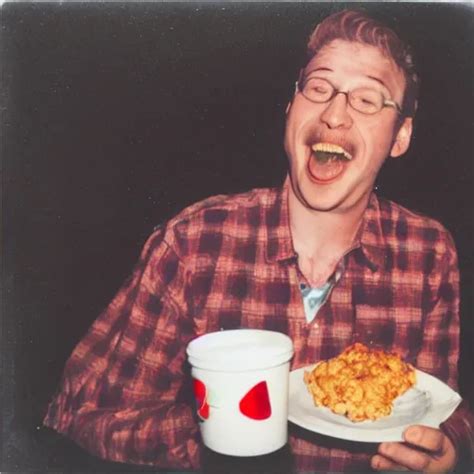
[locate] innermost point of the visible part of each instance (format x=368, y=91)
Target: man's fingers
x=425, y=450
x=427, y=438
x=381, y=463
x=402, y=455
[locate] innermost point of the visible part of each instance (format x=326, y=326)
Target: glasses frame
x=299, y=86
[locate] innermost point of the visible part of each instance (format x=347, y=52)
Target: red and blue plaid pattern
x=228, y=262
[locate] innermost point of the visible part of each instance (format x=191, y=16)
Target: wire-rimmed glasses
x=363, y=99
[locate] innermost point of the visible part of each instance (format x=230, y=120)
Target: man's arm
x=123, y=395
x=427, y=449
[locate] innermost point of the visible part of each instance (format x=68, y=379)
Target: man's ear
x=402, y=139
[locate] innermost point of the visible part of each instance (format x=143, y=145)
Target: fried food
x=360, y=383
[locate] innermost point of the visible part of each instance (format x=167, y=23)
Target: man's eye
x=366, y=100
x=317, y=86
x=320, y=89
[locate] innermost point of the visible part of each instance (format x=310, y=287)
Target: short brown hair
x=351, y=25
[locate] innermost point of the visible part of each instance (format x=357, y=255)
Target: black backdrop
x=116, y=116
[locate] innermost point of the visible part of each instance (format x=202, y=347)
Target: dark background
x=116, y=116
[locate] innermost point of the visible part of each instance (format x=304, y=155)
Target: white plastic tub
x=241, y=388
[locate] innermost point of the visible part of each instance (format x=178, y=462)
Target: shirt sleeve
x=124, y=395
x=439, y=354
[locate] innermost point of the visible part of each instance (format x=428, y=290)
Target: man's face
x=341, y=184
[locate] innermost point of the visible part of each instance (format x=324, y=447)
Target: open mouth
x=328, y=161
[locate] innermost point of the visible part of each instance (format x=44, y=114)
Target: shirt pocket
x=397, y=330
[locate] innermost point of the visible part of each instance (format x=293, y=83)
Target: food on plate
x=360, y=383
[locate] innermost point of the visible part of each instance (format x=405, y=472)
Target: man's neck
x=321, y=238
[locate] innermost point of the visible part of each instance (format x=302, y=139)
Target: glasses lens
x=367, y=101
x=317, y=90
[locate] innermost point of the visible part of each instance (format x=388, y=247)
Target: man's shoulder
x=218, y=208
x=406, y=224
x=231, y=214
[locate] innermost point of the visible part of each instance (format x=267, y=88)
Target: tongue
x=325, y=170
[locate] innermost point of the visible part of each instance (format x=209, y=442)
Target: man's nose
x=336, y=114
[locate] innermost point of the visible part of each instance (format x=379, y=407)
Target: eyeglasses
x=363, y=99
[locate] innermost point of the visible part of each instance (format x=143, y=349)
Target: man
x=321, y=259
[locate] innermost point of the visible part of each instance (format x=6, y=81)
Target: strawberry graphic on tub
x=255, y=404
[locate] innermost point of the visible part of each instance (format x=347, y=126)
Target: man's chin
x=335, y=203
x=319, y=203
x=338, y=199
x=328, y=206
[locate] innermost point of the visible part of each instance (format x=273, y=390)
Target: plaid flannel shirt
x=228, y=262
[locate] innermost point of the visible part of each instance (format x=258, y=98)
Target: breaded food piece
x=360, y=383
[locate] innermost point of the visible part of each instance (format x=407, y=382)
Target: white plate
x=429, y=403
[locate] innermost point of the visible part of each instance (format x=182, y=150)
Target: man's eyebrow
x=377, y=79
x=321, y=68
x=328, y=69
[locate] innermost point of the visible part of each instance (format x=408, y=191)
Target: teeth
x=331, y=148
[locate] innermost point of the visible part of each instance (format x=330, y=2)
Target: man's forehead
x=338, y=47
x=358, y=60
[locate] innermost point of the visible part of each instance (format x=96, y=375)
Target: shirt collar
x=370, y=237
x=279, y=244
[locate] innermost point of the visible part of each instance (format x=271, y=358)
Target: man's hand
x=425, y=450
